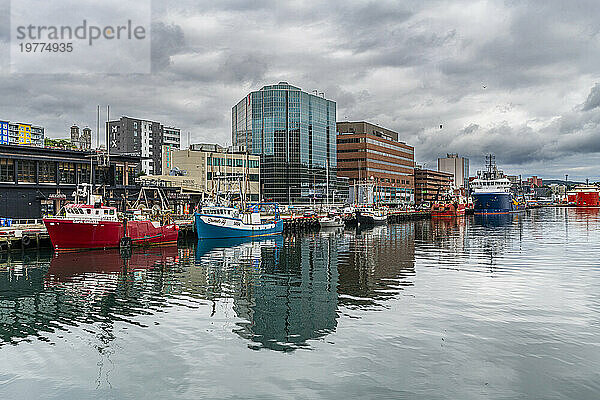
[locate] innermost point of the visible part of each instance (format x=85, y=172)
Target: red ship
x=448, y=209
x=87, y=226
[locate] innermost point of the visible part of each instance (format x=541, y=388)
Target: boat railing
x=31, y=221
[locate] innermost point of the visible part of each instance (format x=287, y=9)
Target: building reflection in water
x=379, y=263
x=284, y=291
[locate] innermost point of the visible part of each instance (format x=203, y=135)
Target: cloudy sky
x=520, y=79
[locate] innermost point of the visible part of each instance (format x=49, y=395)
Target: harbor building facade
x=23, y=134
x=293, y=132
x=38, y=181
x=211, y=170
x=378, y=166
x=458, y=167
x=430, y=184
x=534, y=181
x=142, y=138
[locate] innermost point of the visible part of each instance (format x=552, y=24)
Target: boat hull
x=216, y=227
x=331, y=223
x=369, y=219
x=71, y=235
x=448, y=212
x=495, y=203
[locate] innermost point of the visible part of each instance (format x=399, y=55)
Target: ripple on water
x=467, y=308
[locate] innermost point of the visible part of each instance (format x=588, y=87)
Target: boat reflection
x=495, y=220
x=285, y=291
x=83, y=287
x=67, y=266
x=233, y=248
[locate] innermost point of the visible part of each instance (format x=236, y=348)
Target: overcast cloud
x=516, y=78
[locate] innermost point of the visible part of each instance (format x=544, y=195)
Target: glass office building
x=294, y=133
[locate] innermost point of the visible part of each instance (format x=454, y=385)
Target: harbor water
x=500, y=307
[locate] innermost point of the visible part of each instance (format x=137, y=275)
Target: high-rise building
x=18, y=133
x=458, y=167
x=143, y=138
x=379, y=167
x=294, y=133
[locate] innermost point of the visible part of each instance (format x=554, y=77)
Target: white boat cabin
x=90, y=213
x=232, y=213
x=501, y=185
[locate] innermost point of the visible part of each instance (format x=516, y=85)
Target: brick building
x=430, y=183
x=372, y=157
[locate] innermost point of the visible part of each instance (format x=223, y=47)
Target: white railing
x=27, y=222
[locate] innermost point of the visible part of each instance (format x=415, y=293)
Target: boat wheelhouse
x=213, y=222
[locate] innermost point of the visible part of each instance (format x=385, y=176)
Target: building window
x=83, y=173
x=47, y=171
x=101, y=175
x=7, y=170
x=67, y=173
x=26, y=171
x=119, y=173
x=131, y=175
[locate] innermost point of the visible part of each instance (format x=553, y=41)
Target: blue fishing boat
x=215, y=222
x=492, y=192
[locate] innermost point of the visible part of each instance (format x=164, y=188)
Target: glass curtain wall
x=294, y=133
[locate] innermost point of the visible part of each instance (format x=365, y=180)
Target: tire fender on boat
x=26, y=240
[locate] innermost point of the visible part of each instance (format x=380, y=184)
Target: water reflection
x=284, y=290
x=85, y=287
x=521, y=288
x=495, y=220
x=379, y=263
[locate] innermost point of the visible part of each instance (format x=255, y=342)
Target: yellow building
x=212, y=169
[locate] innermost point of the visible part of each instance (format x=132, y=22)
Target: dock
x=24, y=234
x=32, y=234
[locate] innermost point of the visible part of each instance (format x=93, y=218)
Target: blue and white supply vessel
x=491, y=192
x=216, y=222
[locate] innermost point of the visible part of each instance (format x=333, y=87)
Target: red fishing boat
x=448, y=209
x=85, y=226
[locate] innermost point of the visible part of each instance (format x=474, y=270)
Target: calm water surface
x=501, y=308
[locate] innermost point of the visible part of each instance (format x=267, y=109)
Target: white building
x=457, y=166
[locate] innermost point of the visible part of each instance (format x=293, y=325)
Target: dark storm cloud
x=515, y=78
